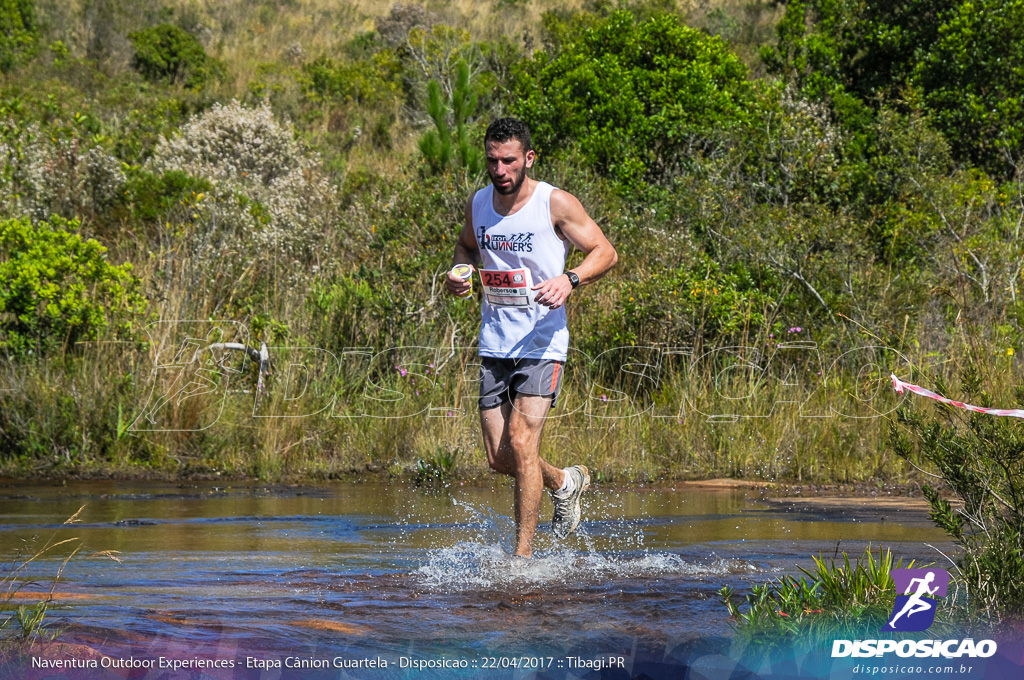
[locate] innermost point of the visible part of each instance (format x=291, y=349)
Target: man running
x=518, y=232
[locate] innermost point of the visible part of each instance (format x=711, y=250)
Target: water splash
x=480, y=566
x=484, y=560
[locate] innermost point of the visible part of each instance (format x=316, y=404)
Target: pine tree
x=440, y=147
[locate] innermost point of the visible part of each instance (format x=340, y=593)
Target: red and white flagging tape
x=899, y=386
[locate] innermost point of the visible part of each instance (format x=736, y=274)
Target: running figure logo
x=915, y=607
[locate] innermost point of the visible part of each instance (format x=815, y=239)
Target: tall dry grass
x=694, y=422
x=169, y=406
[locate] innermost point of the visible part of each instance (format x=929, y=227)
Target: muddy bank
x=835, y=502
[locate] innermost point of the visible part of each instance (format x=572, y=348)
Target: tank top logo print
x=511, y=324
x=521, y=242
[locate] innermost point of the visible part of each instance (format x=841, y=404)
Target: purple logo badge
x=916, y=593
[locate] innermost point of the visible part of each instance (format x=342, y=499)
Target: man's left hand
x=554, y=292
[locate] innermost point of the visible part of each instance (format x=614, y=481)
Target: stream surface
x=370, y=570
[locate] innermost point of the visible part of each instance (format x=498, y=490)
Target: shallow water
x=379, y=569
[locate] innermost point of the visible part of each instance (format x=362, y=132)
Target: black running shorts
x=502, y=380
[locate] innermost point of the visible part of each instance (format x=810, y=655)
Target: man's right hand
x=459, y=287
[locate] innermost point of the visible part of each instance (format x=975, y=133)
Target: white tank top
x=526, y=240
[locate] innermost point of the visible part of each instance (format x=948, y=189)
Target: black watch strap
x=573, y=279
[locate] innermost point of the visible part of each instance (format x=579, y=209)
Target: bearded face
x=507, y=165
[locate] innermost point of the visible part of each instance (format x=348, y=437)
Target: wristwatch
x=573, y=279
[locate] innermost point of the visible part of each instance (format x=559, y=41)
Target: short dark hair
x=507, y=129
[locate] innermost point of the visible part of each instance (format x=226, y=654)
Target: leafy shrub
x=18, y=32
x=793, y=150
x=234, y=143
x=269, y=209
x=435, y=55
x=147, y=115
x=909, y=154
x=383, y=284
x=980, y=458
x=152, y=196
x=167, y=53
x=53, y=162
x=401, y=19
x=367, y=82
x=358, y=310
x=984, y=251
x=637, y=98
x=880, y=51
x=974, y=96
x=64, y=175
x=59, y=288
x=700, y=302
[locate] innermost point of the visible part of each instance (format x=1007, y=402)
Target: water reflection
x=364, y=568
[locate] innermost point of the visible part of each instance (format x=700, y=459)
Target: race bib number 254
x=507, y=287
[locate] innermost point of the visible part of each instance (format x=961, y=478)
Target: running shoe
x=567, y=506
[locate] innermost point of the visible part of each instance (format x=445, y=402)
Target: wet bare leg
x=512, y=436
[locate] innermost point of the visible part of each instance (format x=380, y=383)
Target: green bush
x=980, y=458
x=152, y=196
x=434, y=54
x=961, y=60
x=368, y=82
x=383, y=285
x=639, y=99
x=19, y=33
x=699, y=303
x=792, y=151
x=59, y=288
x=167, y=53
x=972, y=79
